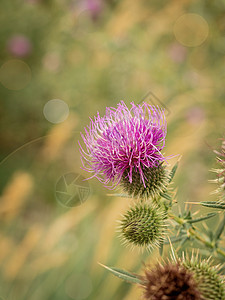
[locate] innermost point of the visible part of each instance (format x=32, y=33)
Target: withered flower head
x=171, y=281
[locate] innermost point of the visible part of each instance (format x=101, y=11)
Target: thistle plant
x=124, y=149
x=219, y=181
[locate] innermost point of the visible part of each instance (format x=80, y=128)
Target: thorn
x=195, y=213
x=172, y=250
x=179, y=159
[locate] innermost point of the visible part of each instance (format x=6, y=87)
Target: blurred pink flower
x=19, y=46
x=94, y=7
x=195, y=115
x=177, y=52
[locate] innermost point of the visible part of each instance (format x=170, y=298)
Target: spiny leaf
x=132, y=278
x=213, y=204
x=173, y=171
x=220, y=229
x=210, y=215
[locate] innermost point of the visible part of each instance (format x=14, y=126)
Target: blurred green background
x=61, y=62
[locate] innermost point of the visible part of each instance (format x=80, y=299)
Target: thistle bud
x=210, y=283
x=143, y=225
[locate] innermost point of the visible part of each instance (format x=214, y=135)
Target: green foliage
x=131, y=278
x=213, y=204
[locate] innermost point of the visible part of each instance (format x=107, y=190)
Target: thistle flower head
x=170, y=281
x=124, y=142
x=143, y=225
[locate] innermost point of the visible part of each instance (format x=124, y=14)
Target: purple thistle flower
x=124, y=140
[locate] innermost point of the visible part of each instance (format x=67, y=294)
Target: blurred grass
x=92, y=59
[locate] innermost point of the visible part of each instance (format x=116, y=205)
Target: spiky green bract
x=170, y=281
x=157, y=180
x=210, y=283
x=143, y=225
x=220, y=180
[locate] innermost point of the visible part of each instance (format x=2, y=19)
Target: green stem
x=220, y=251
x=198, y=237
x=177, y=219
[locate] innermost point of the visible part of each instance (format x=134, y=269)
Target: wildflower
x=143, y=225
x=125, y=144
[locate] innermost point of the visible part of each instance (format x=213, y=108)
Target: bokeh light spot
x=52, y=62
x=191, y=30
x=15, y=74
x=56, y=111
